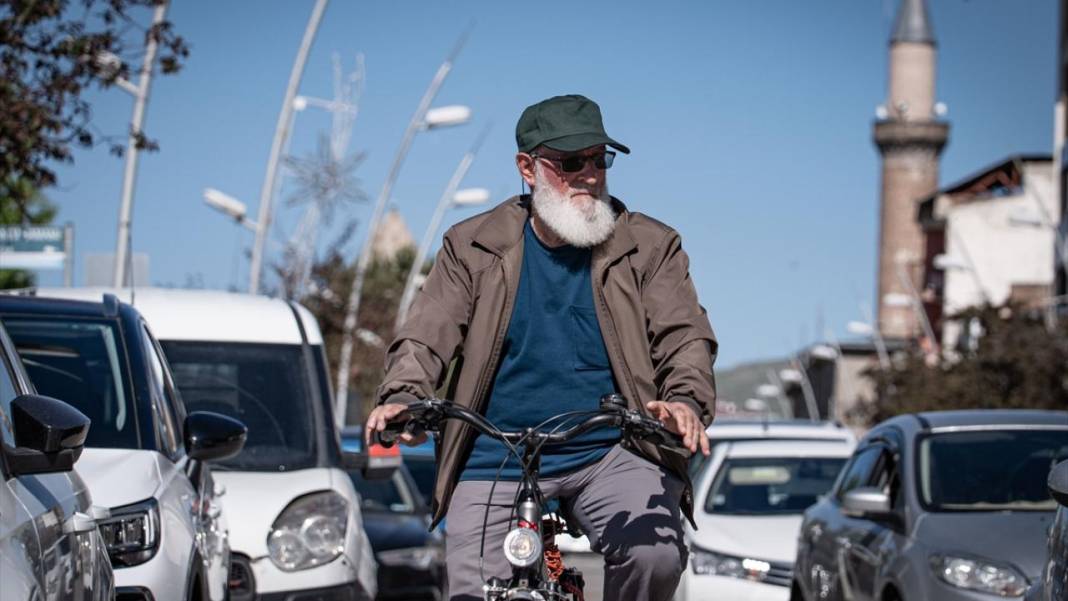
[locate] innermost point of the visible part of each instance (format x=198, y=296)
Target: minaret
x=910, y=138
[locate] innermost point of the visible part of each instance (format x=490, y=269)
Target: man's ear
x=525, y=163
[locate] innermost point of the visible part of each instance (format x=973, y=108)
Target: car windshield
x=990, y=470
x=81, y=362
x=771, y=485
x=386, y=494
x=263, y=385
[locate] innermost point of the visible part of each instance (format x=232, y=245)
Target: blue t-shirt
x=553, y=361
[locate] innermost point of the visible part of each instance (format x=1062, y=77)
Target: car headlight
x=131, y=533
x=522, y=547
x=309, y=532
x=717, y=564
x=979, y=575
x=420, y=558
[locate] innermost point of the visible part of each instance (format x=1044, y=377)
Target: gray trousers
x=627, y=505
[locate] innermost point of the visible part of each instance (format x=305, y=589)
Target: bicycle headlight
x=522, y=547
x=309, y=532
x=979, y=575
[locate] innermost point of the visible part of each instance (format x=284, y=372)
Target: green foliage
x=1015, y=362
x=51, y=51
x=22, y=204
x=382, y=288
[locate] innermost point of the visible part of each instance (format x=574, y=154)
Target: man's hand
x=681, y=419
x=382, y=415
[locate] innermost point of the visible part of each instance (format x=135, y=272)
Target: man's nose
x=590, y=174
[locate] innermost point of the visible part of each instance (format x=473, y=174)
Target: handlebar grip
x=388, y=437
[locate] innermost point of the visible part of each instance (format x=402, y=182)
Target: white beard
x=583, y=228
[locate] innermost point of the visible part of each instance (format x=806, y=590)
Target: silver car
x=50, y=548
x=947, y=505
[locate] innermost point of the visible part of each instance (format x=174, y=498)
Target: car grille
x=241, y=583
x=780, y=574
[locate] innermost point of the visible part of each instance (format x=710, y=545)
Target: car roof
x=973, y=418
x=208, y=315
x=994, y=417
x=788, y=448
x=32, y=305
x=767, y=429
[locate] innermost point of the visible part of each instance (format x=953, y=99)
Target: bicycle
x=534, y=577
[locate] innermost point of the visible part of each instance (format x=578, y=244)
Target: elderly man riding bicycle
x=541, y=306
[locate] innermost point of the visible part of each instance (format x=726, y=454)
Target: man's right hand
x=384, y=414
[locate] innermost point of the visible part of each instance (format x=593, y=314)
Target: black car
x=1054, y=583
x=411, y=559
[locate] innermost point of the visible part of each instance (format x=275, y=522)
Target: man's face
x=575, y=205
x=582, y=188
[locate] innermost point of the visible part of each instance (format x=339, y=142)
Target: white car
x=748, y=500
x=50, y=548
x=296, y=529
x=144, y=458
x=732, y=430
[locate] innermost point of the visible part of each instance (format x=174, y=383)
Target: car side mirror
x=866, y=502
x=1058, y=483
x=210, y=435
x=49, y=435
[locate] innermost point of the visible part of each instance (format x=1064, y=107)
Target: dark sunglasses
x=576, y=162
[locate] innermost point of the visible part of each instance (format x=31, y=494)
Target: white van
x=296, y=530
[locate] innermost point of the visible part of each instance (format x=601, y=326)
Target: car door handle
x=78, y=523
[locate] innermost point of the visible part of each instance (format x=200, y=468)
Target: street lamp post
x=911, y=299
x=449, y=198
x=422, y=119
x=281, y=136
x=862, y=328
x=140, y=94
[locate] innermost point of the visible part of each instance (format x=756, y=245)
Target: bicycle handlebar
x=427, y=414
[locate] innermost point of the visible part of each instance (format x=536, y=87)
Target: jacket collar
x=503, y=228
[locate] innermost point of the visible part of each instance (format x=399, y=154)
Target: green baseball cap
x=568, y=123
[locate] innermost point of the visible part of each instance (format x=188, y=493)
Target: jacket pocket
x=586, y=340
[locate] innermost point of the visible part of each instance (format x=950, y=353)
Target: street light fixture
x=470, y=197
x=825, y=352
x=446, y=116
x=228, y=205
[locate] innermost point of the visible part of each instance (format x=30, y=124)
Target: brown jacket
x=658, y=338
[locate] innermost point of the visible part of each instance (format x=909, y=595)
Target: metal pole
x=352, y=307
x=68, y=255
x=877, y=338
x=130, y=174
x=424, y=247
x=784, y=402
x=281, y=136
x=917, y=305
x=807, y=391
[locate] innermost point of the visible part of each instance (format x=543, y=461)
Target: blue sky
x=749, y=122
